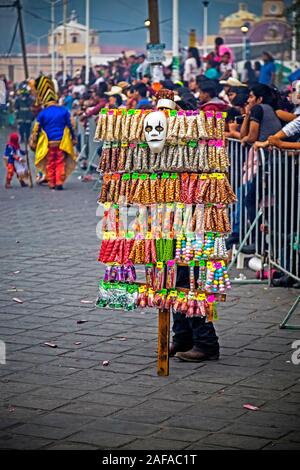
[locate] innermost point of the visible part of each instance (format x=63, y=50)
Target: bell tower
x=273, y=8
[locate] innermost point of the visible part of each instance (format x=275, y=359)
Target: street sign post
x=156, y=53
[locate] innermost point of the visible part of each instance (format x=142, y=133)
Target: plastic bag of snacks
x=117, y=295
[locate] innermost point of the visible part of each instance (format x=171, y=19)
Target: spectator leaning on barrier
x=259, y=122
x=260, y=119
x=292, y=129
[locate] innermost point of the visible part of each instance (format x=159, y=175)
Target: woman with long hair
x=192, y=64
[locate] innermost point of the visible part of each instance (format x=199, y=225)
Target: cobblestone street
x=64, y=398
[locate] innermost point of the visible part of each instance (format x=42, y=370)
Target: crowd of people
x=258, y=113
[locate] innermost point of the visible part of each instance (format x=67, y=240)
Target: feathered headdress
x=45, y=90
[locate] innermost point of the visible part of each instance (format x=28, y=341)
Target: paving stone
x=119, y=426
x=66, y=445
x=282, y=445
x=155, y=444
x=126, y=405
x=56, y=392
x=46, y=432
x=203, y=410
x=198, y=423
x=129, y=389
x=239, y=442
x=61, y=420
x=293, y=436
x=255, y=431
x=103, y=439
x=151, y=412
x=179, y=434
x=124, y=401
x=16, y=442
x=89, y=409
x=281, y=421
x=201, y=446
x=271, y=380
x=36, y=402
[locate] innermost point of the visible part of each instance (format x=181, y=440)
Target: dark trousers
x=189, y=332
x=24, y=131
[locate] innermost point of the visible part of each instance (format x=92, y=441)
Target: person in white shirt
x=143, y=68
x=192, y=64
x=226, y=67
x=79, y=87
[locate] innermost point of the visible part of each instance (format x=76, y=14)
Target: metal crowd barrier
x=267, y=214
x=247, y=174
x=283, y=214
x=89, y=150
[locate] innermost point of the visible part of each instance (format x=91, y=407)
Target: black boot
x=195, y=355
x=176, y=348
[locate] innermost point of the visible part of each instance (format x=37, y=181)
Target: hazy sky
x=119, y=14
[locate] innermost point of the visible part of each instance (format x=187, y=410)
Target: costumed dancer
x=14, y=159
x=53, y=136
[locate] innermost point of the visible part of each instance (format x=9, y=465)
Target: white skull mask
x=296, y=92
x=155, y=128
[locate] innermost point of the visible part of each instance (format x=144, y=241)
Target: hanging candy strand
x=173, y=137
x=182, y=126
x=114, y=157
x=163, y=159
x=220, y=125
x=191, y=124
x=144, y=149
x=134, y=126
x=201, y=126
x=105, y=188
x=210, y=124
x=199, y=210
x=171, y=121
x=104, y=162
x=140, y=127
x=110, y=125
x=129, y=158
x=117, y=128
x=136, y=161
x=176, y=162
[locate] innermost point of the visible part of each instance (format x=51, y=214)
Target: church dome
x=237, y=19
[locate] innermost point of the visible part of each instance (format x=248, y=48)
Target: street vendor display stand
x=172, y=166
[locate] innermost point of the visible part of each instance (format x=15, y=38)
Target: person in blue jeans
x=194, y=339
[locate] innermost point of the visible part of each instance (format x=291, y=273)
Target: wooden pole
x=28, y=164
x=20, y=20
x=163, y=342
x=154, y=22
